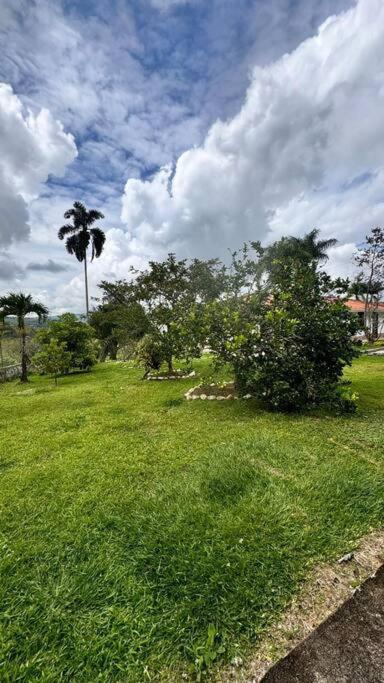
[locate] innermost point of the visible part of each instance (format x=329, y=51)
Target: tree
x=119, y=321
x=286, y=342
x=173, y=294
x=53, y=359
x=369, y=284
x=20, y=305
x=2, y=329
x=80, y=234
x=307, y=250
x=75, y=335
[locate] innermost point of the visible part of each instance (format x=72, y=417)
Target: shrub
x=290, y=349
x=77, y=336
x=150, y=353
x=53, y=359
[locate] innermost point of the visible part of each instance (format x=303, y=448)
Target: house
x=375, y=320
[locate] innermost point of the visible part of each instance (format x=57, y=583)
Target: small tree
x=53, y=359
x=369, y=284
x=173, y=294
x=20, y=305
x=77, y=336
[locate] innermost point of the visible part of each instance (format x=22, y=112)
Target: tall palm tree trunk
x=86, y=286
x=24, y=357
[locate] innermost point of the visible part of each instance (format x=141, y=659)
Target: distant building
x=377, y=322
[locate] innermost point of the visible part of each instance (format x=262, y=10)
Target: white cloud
x=312, y=122
x=32, y=148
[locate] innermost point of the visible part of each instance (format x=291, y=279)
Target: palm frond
x=77, y=244
x=66, y=229
x=98, y=241
x=40, y=310
x=19, y=305
x=94, y=215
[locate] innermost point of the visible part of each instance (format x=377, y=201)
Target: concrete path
x=346, y=648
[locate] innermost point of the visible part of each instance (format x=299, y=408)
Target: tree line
x=272, y=313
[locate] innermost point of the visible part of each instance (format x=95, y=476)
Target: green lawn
x=131, y=520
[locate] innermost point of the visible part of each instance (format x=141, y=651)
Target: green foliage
x=173, y=294
x=53, y=359
x=368, y=286
x=119, y=321
x=79, y=234
x=288, y=344
x=75, y=335
x=150, y=353
x=20, y=305
x=207, y=654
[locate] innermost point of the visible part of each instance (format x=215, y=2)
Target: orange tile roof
x=359, y=306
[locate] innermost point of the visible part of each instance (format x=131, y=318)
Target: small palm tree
x=80, y=235
x=20, y=305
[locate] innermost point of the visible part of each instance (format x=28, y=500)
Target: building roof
x=359, y=306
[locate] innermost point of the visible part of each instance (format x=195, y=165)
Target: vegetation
x=74, y=337
x=144, y=536
x=20, y=305
x=119, y=320
x=287, y=344
x=80, y=235
x=53, y=359
x=369, y=284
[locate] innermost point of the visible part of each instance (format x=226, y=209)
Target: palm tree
x=81, y=235
x=311, y=246
x=20, y=305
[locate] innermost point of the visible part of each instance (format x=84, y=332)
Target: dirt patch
x=329, y=586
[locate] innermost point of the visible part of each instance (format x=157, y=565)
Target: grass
x=143, y=536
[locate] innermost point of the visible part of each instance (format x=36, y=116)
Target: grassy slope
x=131, y=519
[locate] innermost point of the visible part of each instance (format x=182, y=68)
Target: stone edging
x=154, y=378
x=212, y=397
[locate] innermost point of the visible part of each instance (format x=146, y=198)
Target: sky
x=193, y=125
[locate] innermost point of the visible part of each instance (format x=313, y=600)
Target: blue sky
x=139, y=85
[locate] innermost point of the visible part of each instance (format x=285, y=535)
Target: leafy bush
x=53, y=359
x=150, y=353
x=77, y=338
x=289, y=348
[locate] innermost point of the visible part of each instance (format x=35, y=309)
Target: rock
x=237, y=661
x=211, y=398
x=346, y=558
x=203, y=397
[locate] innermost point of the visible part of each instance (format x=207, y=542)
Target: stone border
x=189, y=395
x=154, y=378
x=9, y=372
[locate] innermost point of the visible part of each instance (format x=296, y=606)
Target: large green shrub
x=290, y=346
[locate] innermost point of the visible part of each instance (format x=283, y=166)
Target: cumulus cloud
x=49, y=266
x=311, y=127
x=32, y=148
